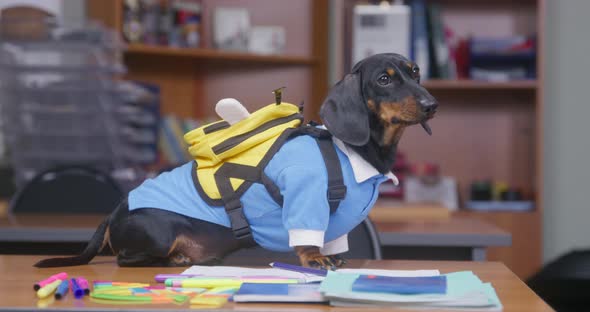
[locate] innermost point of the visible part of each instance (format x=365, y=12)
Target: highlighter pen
x=161, y=278
x=119, y=284
x=204, y=282
x=300, y=269
x=48, y=289
x=84, y=285
x=62, y=276
x=76, y=289
x=62, y=289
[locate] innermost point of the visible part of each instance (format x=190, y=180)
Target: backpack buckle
x=237, y=219
x=336, y=193
x=318, y=132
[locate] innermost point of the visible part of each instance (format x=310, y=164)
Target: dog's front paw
x=310, y=256
x=338, y=260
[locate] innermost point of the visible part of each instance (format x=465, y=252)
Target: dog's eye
x=384, y=80
x=416, y=73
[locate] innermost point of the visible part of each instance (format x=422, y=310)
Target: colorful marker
x=118, y=284
x=84, y=285
x=62, y=289
x=61, y=276
x=76, y=289
x=48, y=289
x=204, y=282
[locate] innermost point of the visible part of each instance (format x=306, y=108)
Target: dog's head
x=377, y=100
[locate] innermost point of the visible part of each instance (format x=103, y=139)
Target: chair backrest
x=69, y=189
x=363, y=243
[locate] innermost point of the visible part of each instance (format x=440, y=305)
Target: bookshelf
x=465, y=84
x=483, y=129
x=192, y=80
x=212, y=55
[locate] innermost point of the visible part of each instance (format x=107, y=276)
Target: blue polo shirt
x=298, y=170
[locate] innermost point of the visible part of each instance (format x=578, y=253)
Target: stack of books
x=454, y=290
x=443, y=55
x=408, y=289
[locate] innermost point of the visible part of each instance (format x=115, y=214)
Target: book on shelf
x=419, y=45
x=436, y=49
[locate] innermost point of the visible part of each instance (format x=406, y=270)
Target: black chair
x=363, y=243
x=564, y=283
x=68, y=189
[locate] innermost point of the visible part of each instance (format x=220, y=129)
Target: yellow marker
x=211, y=283
x=48, y=289
x=209, y=301
x=45, y=302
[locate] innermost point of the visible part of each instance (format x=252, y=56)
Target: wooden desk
x=18, y=275
x=463, y=237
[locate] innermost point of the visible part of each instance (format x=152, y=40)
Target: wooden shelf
x=217, y=55
x=435, y=84
x=472, y=213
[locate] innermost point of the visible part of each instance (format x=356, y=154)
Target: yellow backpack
x=246, y=142
x=230, y=158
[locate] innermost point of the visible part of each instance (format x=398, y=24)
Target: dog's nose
x=430, y=109
x=428, y=106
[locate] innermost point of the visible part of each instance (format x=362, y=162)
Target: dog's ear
x=345, y=113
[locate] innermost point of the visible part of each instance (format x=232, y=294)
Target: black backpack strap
x=336, y=188
x=232, y=203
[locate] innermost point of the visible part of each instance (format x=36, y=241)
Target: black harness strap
x=336, y=187
x=233, y=206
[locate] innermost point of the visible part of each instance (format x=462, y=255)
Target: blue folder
x=401, y=285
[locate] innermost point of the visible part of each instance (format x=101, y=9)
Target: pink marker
x=83, y=284
x=59, y=276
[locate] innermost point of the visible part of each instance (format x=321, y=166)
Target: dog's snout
x=428, y=105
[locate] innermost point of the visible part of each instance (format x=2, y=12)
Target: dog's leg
x=310, y=256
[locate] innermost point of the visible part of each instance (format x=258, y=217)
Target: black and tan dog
x=368, y=110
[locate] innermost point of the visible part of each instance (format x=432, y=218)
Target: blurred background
x=95, y=97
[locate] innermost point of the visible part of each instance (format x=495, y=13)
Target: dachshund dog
x=366, y=112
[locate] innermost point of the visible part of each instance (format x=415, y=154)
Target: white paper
x=230, y=271
x=392, y=273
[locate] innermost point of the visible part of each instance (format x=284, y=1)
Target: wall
x=253, y=87
x=567, y=144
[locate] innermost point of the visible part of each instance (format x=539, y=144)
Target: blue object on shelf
x=499, y=205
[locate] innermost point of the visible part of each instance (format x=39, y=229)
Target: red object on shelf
x=400, y=169
x=462, y=59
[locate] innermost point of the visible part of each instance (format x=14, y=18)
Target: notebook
x=464, y=290
x=279, y=293
x=401, y=285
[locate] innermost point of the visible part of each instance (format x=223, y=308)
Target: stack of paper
x=248, y=273
x=462, y=290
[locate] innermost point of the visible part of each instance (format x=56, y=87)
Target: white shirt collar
x=362, y=169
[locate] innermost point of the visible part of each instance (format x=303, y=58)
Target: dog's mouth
x=423, y=123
